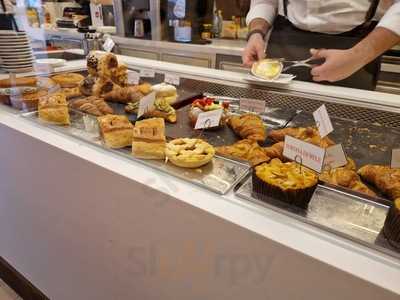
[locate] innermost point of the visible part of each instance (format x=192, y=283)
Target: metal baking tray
x=224, y=135
x=218, y=176
x=364, y=143
x=334, y=210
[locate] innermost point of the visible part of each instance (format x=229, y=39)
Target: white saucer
x=282, y=79
x=54, y=62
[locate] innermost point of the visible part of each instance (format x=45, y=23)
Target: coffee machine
x=138, y=18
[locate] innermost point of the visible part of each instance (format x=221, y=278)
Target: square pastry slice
x=117, y=131
x=54, y=109
x=149, y=140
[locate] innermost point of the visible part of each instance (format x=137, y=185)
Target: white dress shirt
x=325, y=16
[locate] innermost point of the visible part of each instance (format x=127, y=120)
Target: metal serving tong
x=301, y=63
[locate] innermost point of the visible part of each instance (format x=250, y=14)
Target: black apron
x=292, y=43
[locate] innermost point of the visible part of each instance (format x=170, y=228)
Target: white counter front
x=83, y=223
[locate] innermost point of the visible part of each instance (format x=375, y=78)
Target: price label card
x=147, y=73
x=172, y=79
x=395, y=158
x=307, y=154
x=133, y=77
x=146, y=104
x=209, y=119
x=252, y=105
x=335, y=157
x=323, y=121
x=108, y=45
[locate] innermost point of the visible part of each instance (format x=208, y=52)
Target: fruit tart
x=207, y=104
x=189, y=153
x=288, y=182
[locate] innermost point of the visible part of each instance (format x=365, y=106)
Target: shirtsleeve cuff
x=391, y=19
x=263, y=11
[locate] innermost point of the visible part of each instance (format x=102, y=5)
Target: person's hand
x=254, y=51
x=338, y=65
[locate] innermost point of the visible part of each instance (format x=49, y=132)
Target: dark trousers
x=292, y=43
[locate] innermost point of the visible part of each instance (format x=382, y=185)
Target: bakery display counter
x=232, y=166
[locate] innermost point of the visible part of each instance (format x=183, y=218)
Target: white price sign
x=395, y=158
x=209, y=119
x=253, y=105
x=172, y=79
x=304, y=153
x=108, y=45
x=147, y=73
x=146, y=104
x=133, y=77
x=323, y=121
x=335, y=157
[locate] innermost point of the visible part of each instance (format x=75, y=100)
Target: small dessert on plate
x=149, y=140
x=268, y=69
x=53, y=108
x=248, y=126
x=68, y=80
x=189, y=153
x=207, y=104
x=288, y=182
x=116, y=131
x=166, y=91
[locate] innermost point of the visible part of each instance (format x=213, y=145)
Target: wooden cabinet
x=139, y=53
x=187, y=59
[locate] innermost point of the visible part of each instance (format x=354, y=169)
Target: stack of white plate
x=16, y=54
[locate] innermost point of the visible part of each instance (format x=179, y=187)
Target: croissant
x=307, y=134
x=103, y=107
x=275, y=151
x=384, y=178
x=124, y=94
x=347, y=178
x=248, y=150
x=248, y=126
x=90, y=108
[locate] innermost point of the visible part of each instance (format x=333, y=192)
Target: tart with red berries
x=207, y=104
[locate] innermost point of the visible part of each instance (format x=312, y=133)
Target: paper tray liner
x=299, y=197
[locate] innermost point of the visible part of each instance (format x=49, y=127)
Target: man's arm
x=341, y=64
x=260, y=17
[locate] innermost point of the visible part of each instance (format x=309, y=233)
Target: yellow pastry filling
x=286, y=175
x=268, y=68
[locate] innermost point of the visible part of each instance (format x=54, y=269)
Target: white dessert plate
x=15, y=52
x=18, y=43
x=54, y=62
x=12, y=59
x=19, y=70
x=13, y=56
x=12, y=32
x=282, y=79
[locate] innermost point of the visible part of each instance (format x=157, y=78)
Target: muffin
x=391, y=229
x=287, y=182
